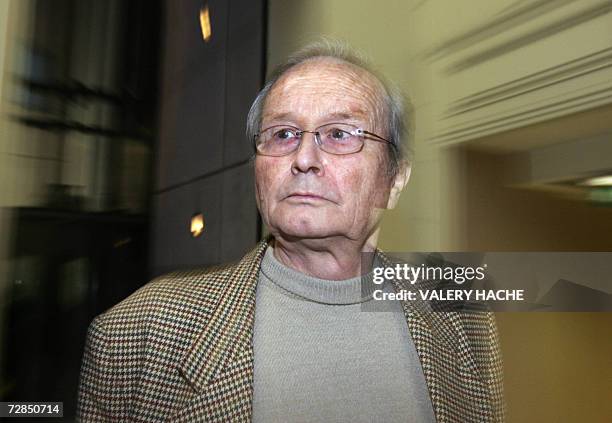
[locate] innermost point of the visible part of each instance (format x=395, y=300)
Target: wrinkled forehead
x=322, y=87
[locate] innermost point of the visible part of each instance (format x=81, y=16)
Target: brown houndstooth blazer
x=180, y=349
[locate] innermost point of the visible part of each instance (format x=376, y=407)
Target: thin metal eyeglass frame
x=317, y=135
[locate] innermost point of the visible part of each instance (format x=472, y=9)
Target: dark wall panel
x=240, y=226
x=192, y=121
x=202, y=154
x=244, y=75
x=174, y=246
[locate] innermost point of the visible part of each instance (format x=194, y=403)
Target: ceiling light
x=599, y=181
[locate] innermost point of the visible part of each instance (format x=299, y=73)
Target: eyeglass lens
x=334, y=138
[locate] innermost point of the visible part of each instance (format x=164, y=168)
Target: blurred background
x=123, y=156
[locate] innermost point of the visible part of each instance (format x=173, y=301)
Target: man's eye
x=284, y=134
x=338, y=134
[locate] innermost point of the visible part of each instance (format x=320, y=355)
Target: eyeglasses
x=333, y=138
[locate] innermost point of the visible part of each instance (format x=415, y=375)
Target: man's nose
x=308, y=156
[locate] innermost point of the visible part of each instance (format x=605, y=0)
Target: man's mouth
x=305, y=196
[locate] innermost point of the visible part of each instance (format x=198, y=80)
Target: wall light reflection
x=205, y=23
x=197, y=225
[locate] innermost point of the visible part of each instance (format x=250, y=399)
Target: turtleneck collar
x=349, y=291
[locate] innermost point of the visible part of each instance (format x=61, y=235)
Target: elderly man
x=282, y=335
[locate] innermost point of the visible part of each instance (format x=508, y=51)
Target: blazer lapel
x=454, y=383
x=219, y=365
x=452, y=376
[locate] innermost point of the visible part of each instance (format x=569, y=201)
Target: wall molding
x=505, y=21
x=544, y=79
x=577, y=101
x=562, y=88
x=522, y=40
x=465, y=50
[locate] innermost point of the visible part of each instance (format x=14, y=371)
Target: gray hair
x=396, y=122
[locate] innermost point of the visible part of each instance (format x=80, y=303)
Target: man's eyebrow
x=357, y=113
x=279, y=116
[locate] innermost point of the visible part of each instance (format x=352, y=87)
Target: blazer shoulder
x=132, y=349
x=179, y=299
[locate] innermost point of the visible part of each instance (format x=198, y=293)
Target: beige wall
x=556, y=365
x=502, y=218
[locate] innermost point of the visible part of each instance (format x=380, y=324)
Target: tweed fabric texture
x=180, y=349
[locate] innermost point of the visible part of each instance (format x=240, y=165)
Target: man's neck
x=336, y=260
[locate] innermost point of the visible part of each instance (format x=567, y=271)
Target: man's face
x=311, y=194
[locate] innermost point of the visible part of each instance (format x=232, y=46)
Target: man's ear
x=400, y=181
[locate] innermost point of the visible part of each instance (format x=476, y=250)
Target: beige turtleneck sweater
x=321, y=356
